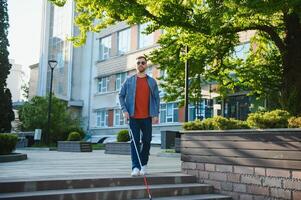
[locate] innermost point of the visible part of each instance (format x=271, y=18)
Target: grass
x=98, y=146
x=169, y=151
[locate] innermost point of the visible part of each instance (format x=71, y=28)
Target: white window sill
x=105, y=93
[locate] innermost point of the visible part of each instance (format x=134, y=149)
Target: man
x=140, y=101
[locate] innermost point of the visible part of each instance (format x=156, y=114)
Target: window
x=118, y=120
x=162, y=92
x=196, y=111
x=60, y=88
x=145, y=40
x=102, y=118
x=103, y=84
x=169, y=112
x=242, y=50
x=105, y=47
x=124, y=41
x=163, y=74
x=120, y=78
x=149, y=71
x=191, y=113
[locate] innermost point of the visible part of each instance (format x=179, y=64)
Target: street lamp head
x=52, y=63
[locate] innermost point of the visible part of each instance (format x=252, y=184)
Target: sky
x=24, y=33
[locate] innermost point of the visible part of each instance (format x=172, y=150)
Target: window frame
x=102, y=118
x=120, y=78
x=120, y=120
x=104, y=55
x=121, y=42
x=167, y=116
x=100, y=85
x=144, y=40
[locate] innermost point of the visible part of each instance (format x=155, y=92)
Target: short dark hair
x=139, y=57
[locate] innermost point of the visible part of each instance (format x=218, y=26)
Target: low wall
x=246, y=164
x=74, y=146
x=98, y=133
x=122, y=148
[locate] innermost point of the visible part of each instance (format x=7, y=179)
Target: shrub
x=71, y=129
x=294, y=122
x=32, y=116
x=123, y=136
x=8, y=143
x=237, y=124
x=215, y=123
x=194, y=125
x=74, y=136
x=272, y=119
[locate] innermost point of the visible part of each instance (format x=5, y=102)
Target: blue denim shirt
x=127, y=96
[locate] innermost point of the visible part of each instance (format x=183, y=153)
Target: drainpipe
x=90, y=82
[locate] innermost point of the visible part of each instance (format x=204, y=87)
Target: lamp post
x=52, y=64
x=186, y=86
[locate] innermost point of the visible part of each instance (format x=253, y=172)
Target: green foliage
x=123, y=136
x=98, y=146
x=272, y=119
x=33, y=114
x=169, y=151
x=8, y=143
x=73, y=128
x=7, y=114
x=211, y=31
x=74, y=136
x=5, y=65
x=215, y=123
x=294, y=122
x=25, y=90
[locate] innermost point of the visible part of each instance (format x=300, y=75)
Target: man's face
x=141, y=65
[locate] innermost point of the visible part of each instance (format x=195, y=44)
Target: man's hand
x=155, y=120
x=126, y=116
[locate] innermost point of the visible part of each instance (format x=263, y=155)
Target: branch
x=267, y=29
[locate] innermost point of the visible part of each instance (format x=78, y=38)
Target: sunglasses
x=143, y=63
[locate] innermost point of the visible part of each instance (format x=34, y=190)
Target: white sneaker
x=135, y=172
x=143, y=170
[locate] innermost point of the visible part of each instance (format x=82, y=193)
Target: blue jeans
x=145, y=126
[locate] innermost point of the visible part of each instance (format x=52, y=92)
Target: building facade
x=89, y=78
x=33, y=80
x=15, y=81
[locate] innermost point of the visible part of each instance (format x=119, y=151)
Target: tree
x=6, y=112
x=25, y=90
x=33, y=115
x=210, y=28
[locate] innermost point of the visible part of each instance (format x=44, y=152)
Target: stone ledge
x=121, y=148
x=74, y=146
x=13, y=157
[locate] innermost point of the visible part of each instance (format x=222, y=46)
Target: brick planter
x=246, y=164
x=74, y=146
x=122, y=148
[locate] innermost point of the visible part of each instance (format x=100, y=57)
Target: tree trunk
x=291, y=85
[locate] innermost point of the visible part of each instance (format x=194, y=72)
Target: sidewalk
x=43, y=164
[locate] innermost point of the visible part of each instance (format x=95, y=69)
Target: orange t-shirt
x=141, y=99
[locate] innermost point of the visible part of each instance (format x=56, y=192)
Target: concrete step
x=113, y=193
x=194, y=197
x=42, y=185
